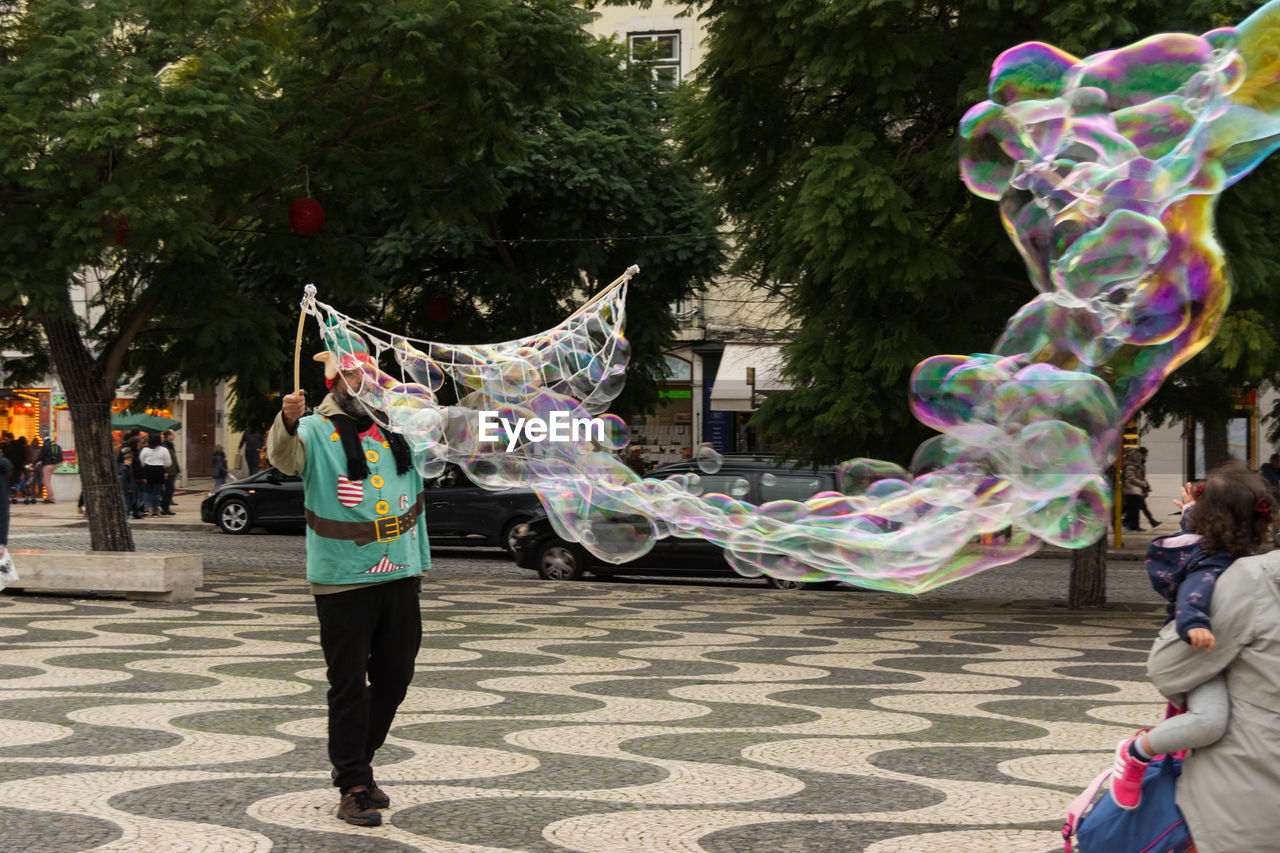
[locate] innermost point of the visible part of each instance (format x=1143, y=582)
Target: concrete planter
x=136, y=576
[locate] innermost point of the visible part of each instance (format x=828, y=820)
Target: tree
x=593, y=187
x=160, y=146
x=1087, y=582
x=830, y=130
x=118, y=123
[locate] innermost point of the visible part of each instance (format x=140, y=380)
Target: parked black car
x=267, y=499
x=458, y=511
x=754, y=479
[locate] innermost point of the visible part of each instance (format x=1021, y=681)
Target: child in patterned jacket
x=1225, y=519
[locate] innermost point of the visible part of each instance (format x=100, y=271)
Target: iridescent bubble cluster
x=1106, y=170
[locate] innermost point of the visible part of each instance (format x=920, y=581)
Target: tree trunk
x=89, y=401
x=1216, y=446
x=1088, y=587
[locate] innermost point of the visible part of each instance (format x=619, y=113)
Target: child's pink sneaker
x=1126, y=777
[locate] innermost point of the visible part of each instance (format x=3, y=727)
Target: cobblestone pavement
x=625, y=717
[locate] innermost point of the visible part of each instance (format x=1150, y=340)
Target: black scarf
x=349, y=430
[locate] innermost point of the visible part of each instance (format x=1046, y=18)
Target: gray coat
x=1230, y=791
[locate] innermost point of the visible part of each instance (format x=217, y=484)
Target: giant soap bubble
x=1106, y=170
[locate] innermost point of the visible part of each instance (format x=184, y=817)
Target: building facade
x=727, y=354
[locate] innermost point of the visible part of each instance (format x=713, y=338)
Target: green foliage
x=511, y=246
x=829, y=130
x=436, y=135
x=118, y=112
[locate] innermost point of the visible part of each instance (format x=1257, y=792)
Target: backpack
x=1155, y=826
x=55, y=452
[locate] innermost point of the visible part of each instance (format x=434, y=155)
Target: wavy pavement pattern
x=548, y=717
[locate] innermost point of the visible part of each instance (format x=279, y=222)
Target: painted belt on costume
x=386, y=529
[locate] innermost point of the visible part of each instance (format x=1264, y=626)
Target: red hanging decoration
x=120, y=224
x=438, y=309
x=306, y=216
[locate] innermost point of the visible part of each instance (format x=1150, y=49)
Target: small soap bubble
x=708, y=459
x=739, y=488
x=432, y=468
x=768, y=480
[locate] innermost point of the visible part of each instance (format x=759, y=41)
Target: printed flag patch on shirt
x=350, y=492
x=382, y=567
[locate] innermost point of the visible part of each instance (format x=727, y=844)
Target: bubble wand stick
x=626, y=276
x=307, y=307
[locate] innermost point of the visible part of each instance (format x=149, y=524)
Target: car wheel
x=508, y=537
x=560, y=561
x=234, y=517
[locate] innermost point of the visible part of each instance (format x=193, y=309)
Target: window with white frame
x=660, y=52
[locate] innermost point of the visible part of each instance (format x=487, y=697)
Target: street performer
x=366, y=551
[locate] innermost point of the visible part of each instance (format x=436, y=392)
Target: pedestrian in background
x=219, y=466
x=171, y=473
x=1270, y=471
x=131, y=446
x=6, y=474
x=154, y=458
x=46, y=460
x=15, y=450
x=128, y=484
x=250, y=447
x=1135, y=487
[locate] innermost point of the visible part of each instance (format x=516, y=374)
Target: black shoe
x=356, y=807
x=166, y=512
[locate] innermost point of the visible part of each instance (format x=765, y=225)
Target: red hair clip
x=1263, y=507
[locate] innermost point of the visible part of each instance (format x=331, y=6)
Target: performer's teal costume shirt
x=367, y=545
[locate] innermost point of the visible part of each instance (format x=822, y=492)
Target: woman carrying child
x=1228, y=519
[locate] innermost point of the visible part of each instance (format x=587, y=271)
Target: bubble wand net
x=571, y=372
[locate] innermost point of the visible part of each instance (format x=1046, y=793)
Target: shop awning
x=143, y=421
x=731, y=391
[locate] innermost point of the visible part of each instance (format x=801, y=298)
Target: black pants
x=370, y=638
x=1135, y=506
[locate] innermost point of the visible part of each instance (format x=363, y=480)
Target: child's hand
x=1201, y=639
x=1188, y=497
